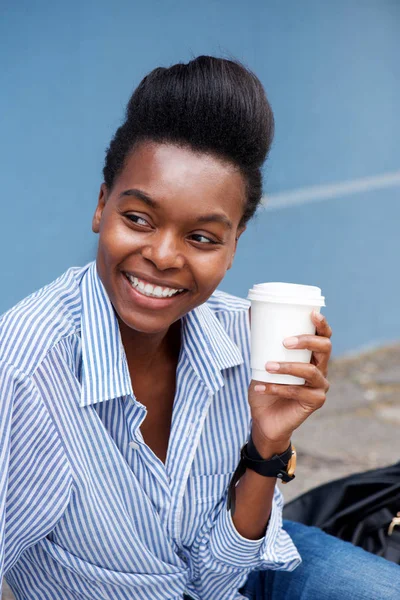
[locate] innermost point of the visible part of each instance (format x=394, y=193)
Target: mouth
x=151, y=290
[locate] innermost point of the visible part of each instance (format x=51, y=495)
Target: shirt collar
x=105, y=373
x=208, y=346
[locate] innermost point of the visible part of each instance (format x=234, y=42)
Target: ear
x=101, y=202
x=238, y=234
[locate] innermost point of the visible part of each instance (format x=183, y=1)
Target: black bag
x=363, y=508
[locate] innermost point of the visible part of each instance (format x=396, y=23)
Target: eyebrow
x=211, y=218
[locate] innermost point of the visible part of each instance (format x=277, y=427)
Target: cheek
x=115, y=240
x=211, y=269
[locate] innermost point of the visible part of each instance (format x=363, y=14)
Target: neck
x=145, y=351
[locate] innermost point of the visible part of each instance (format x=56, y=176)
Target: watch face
x=292, y=462
x=291, y=467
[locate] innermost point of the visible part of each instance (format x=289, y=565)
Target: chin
x=146, y=324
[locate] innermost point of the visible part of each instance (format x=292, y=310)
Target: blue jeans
x=331, y=570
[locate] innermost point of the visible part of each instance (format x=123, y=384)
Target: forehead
x=183, y=178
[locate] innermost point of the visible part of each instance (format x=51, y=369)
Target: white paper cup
x=279, y=311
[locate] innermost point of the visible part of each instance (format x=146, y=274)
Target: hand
x=278, y=409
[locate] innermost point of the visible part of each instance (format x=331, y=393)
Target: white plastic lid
x=287, y=293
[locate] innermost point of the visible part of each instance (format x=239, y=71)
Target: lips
x=153, y=298
x=155, y=282
x=152, y=291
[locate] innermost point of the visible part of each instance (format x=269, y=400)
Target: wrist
x=281, y=466
x=268, y=448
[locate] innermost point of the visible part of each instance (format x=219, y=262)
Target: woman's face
x=169, y=223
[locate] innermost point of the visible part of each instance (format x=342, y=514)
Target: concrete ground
x=357, y=429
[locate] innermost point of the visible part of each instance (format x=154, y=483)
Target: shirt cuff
x=274, y=551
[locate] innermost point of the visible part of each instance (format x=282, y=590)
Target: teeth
x=155, y=291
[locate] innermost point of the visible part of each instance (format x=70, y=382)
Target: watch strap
x=250, y=458
x=276, y=466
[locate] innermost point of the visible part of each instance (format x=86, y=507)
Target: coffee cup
x=279, y=311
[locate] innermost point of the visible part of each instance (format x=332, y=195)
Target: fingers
x=310, y=372
x=309, y=398
x=320, y=344
x=309, y=342
x=321, y=324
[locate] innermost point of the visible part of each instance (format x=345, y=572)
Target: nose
x=164, y=252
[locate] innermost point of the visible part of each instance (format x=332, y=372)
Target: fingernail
x=260, y=388
x=291, y=342
x=318, y=315
x=272, y=366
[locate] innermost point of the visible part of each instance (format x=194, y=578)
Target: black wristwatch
x=281, y=466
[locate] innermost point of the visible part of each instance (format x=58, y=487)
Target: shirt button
x=134, y=445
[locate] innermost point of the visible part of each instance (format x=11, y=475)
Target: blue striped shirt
x=87, y=510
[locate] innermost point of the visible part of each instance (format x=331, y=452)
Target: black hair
x=211, y=105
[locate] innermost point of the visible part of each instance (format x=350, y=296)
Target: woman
x=125, y=386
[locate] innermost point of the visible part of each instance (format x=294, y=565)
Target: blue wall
x=331, y=71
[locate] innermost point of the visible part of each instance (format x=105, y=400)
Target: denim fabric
x=331, y=570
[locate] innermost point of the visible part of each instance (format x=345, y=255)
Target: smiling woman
x=128, y=380
x=170, y=221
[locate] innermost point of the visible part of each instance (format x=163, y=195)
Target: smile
x=150, y=290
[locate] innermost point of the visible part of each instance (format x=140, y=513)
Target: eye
x=202, y=239
x=137, y=220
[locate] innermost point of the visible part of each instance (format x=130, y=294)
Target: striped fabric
x=87, y=511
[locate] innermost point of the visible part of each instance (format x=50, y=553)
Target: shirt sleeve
x=35, y=476
x=223, y=558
